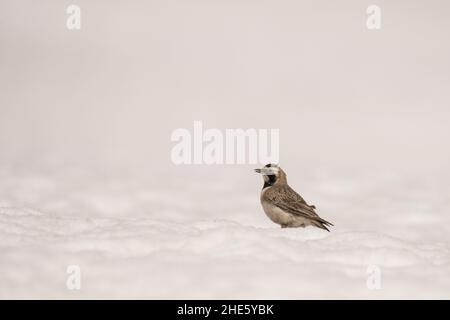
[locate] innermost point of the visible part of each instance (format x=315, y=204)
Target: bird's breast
x=276, y=214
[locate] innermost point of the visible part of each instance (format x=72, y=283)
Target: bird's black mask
x=271, y=180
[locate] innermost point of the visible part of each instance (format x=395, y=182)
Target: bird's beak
x=266, y=171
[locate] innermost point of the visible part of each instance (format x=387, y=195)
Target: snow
x=189, y=232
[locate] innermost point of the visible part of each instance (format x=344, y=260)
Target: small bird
x=283, y=205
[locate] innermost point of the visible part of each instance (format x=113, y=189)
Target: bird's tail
x=322, y=224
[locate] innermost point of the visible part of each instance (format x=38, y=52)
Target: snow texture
x=201, y=233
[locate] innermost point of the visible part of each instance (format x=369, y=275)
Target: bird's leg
x=283, y=226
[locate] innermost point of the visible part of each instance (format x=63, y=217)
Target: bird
x=283, y=205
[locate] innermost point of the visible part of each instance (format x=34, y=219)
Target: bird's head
x=272, y=174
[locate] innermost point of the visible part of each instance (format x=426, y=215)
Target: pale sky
x=137, y=70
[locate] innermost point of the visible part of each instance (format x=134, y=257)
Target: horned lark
x=283, y=205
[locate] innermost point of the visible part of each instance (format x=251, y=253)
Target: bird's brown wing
x=290, y=201
x=294, y=196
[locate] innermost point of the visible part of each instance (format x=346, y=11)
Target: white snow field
x=200, y=233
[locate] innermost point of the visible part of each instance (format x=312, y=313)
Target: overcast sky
x=115, y=90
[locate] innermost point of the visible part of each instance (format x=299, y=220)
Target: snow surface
x=201, y=233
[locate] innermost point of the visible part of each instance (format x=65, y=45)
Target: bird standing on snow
x=283, y=205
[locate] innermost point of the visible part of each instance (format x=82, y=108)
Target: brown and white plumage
x=283, y=205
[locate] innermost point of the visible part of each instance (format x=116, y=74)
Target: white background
x=85, y=170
